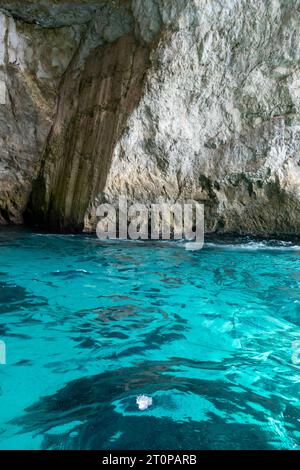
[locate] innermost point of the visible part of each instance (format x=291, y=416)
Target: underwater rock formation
x=154, y=99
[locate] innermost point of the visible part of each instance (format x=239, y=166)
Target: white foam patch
x=280, y=246
x=143, y=402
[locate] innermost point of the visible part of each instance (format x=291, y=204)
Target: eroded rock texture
x=32, y=61
x=188, y=99
x=219, y=121
x=92, y=113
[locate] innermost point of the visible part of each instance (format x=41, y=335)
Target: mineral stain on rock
x=93, y=110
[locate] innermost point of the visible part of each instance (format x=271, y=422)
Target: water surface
x=209, y=335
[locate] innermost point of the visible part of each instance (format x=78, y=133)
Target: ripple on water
x=209, y=336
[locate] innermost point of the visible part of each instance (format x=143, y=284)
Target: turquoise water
x=208, y=335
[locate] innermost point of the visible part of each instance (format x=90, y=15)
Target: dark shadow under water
x=88, y=401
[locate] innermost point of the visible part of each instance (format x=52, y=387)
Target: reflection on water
x=208, y=335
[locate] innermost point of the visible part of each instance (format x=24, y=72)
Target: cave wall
x=32, y=62
x=188, y=99
x=219, y=121
x=92, y=113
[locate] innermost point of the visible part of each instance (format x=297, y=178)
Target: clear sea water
x=209, y=335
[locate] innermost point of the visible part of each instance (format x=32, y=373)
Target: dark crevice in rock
x=94, y=107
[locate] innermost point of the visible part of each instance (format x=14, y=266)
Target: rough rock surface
x=53, y=14
x=219, y=121
x=92, y=113
x=32, y=61
x=215, y=116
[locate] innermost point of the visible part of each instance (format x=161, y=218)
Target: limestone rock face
x=158, y=100
x=53, y=14
x=219, y=119
x=32, y=60
x=92, y=113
